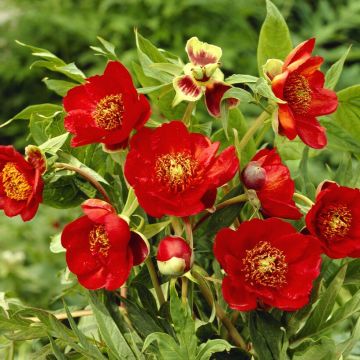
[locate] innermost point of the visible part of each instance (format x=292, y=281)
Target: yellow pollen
x=15, y=185
x=265, y=265
x=297, y=93
x=99, y=241
x=109, y=111
x=334, y=221
x=176, y=171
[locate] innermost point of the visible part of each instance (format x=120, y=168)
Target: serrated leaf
x=274, y=39
x=333, y=74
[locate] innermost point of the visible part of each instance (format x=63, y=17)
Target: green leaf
x=241, y=79
x=118, y=347
x=55, y=244
x=348, y=112
x=333, y=74
x=274, y=39
x=131, y=203
x=151, y=51
x=63, y=193
x=346, y=347
x=266, y=335
x=169, y=349
x=238, y=93
x=151, y=230
x=40, y=109
x=353, y=273
x=43, y=128
x=56, y=350
x=84, y=342
x=52, y=146
x=60, y=87
x=324, y=307
x=107, y=50
x=262, y=88
x=322, y=349
x=210, y=347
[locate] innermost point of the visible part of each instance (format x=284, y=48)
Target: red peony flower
x=100, y=249
x=334, y=219
x=105, y=109
x=267, y=263
x=271, y=180
x=174, y=172
x=21, y=184
x=174, y=256
x=301, y=85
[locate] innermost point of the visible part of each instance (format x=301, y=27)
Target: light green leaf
x=151, y=230
x=262, y=88
x=211, y=347
x=52, y=146
x=117, y=345
x=60, y=87
x=324, y=307
x=108, y=49
x=333, y=74
x=241, y=79
x=274, y=39
x=238, y=93
x=322, y=349
x=169, y=349
x=131, y=203
x=150, y=89
x=40, y=109
x=56, y=350
x=348, y=112
x=55, y=244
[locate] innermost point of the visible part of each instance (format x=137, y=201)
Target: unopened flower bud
x=253, y=176
x=174, y=256
x=272, y=68
x=36, y=158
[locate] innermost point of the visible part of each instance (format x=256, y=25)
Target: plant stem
x=254, y=127
x=177, y=227
x=220, y=313
x=304, y=199
x=87, y=177
x=232, y=201
x=184, y=289
x=188, y=112
x=155, y=280
x=188, y=231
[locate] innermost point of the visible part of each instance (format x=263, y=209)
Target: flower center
x=109, y=111
x=297, y=93
x=99, y=241
x=15, y=185
x=176, y=171
x=265, y=265
x=334, y=221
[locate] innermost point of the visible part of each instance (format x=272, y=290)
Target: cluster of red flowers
x=177, y=173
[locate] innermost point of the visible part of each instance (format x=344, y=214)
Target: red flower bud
x=253, y=176
x=174, y=256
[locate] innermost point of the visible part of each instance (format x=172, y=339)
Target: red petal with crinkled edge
x=186, y=89
x=311, y=132
x=94, y=280
x=278, y=208
x=76, y=233
x=300, y=54
x=224, y=168
x=202, y=53
x=287, y=122
x=96, y=210
x=213, y=95
x=323, y=102
x=236, y=295
x=118, y=231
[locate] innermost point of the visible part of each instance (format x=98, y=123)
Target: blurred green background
x=68, y=27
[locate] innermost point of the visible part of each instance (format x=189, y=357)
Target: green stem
x=178, y=230
x=155, y=280
x=184, y=289
x=220, y=313
x=232, y=201
x=87, y=177
x=304, y=199
x=254, y=127
x=188, y=231
x=188, y=112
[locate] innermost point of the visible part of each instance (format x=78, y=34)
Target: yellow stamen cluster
x=109, y=111
x=14, y=182
x=265, y=265
x=176, y=171
x=334, y=221
x=99, y=241
x=297, y=93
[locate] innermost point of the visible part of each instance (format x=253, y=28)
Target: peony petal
x=96, y=210
x=186, y=89
x=76, y=233
x=300, y=54
x=118, y=231
x=77, y=98
x=287, y=122
x=94, y=280
x=213, y=95
x=323, y=102
x=202, y=53
x=310, y=132
x=139, y=248
x=81, y=261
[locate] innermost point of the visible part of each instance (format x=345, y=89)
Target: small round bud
x=174, y=256
x=253, y=176
x=272, y=68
